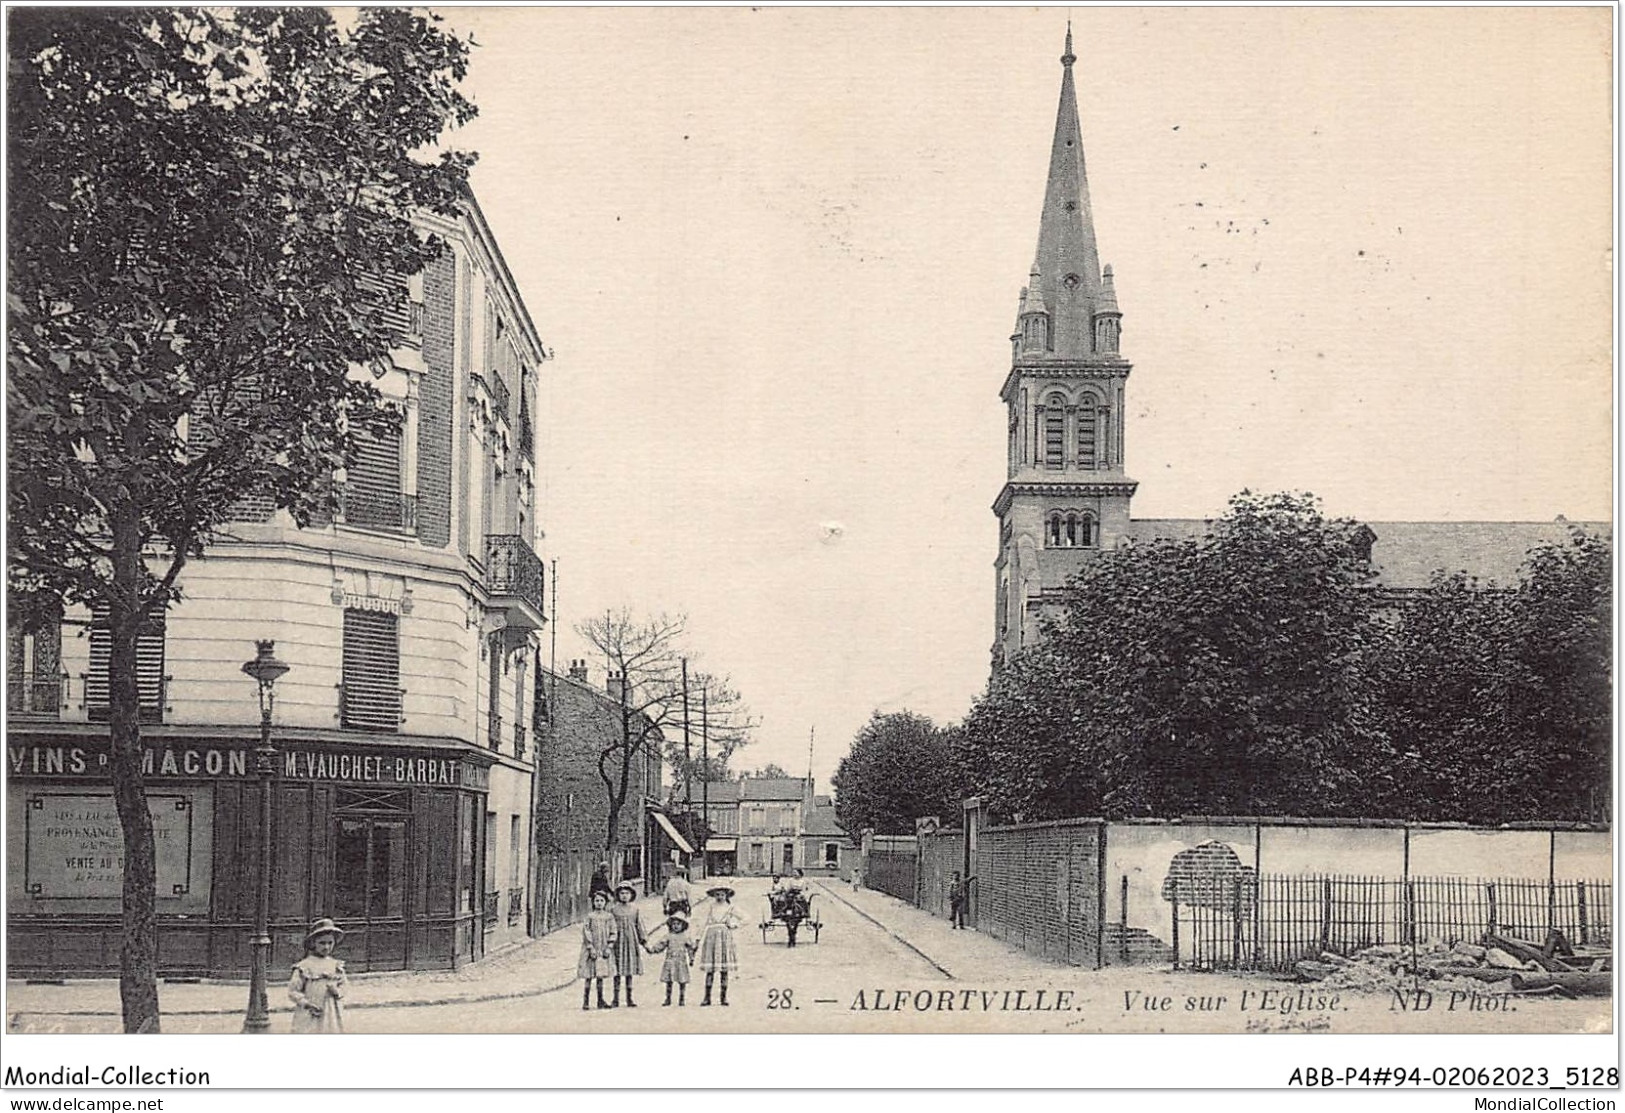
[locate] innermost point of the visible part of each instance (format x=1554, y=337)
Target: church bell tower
x=1066, y=495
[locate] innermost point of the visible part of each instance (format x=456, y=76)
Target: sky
x=1364, y=253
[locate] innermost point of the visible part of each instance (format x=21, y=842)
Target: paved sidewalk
x=961, y=954
x=534, y=967
x=538, y=966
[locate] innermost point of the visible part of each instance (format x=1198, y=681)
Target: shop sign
x=233, y=763
x=73, y=846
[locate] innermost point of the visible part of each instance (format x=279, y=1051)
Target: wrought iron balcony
x=374, y=509
x=37, y=695
x=493, y=731
x=519, y=741
x=514, y=580
x=493, y=908
x=516, y=905
x=500, y=393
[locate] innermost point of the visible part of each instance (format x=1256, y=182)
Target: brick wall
x=891, y=865
x=573, y=805
x=435, y=396
x=940, y=855
x=1038, y=887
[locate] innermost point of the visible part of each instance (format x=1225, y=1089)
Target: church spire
x=1067, y=260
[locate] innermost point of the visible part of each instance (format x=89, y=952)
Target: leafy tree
x=647, y=654
x=1443, y=685
x=1219, y=674
x=1501, y=697
x=767, y=771
x=206, y=205
x=1561, y=692
x=900, y=767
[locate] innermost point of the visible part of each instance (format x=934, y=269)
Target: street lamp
x=265, y=669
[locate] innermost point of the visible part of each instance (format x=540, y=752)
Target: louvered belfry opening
x=149, y=669
x=370, y=696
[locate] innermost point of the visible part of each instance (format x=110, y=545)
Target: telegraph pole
x=705, y=761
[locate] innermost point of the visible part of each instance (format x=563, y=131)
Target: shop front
x=384, y=837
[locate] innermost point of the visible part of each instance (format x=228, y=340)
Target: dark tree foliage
x=1258, y=670
x=901, y=767
x=1502, y=697
x=208, y=207
x=1220, y=675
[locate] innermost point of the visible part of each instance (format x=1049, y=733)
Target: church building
x=1067, y=492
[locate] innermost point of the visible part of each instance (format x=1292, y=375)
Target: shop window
x=832, y=853
x=493, y=899
x=369, y=867
x=149, y=669
x=370, y=694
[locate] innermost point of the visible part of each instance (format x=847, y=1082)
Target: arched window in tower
x=1037, y=333
x=1088, y=428
x=1071, y=531
x=1053, y=536
x=1055, y=431
x=1086, y=530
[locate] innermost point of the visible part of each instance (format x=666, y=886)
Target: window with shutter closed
x=371, y=692
x=149, y=669
x=372, y=490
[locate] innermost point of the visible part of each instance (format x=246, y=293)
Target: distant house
x=770, y=811
x=822, y=838
x=717, y=805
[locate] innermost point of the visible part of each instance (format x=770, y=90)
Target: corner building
x=411, y=624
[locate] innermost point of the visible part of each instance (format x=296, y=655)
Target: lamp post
x=265, y=669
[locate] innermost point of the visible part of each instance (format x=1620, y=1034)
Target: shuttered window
x=373, y=491
x=149, y=669
x=371, y=693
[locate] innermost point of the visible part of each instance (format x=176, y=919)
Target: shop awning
x=722, y=845
x=682, y=843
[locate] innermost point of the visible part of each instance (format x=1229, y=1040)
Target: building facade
x=1067, y=495
x=410, y=624
x=577, y=721
x=822, y=838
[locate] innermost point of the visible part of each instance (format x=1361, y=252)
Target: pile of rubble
x=1500, y=964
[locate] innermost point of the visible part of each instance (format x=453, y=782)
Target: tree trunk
x=138, y=956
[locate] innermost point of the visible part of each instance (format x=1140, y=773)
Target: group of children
x=613, y=938
x=612, y=942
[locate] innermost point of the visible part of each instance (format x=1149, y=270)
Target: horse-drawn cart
x=792, y=908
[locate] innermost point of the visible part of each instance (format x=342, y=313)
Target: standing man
x=958, y=897
x=677, y=895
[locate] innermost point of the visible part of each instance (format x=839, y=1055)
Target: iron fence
x=1276, y=921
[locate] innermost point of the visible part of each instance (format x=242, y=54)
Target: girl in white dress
x=316, y=986
x=718, y=955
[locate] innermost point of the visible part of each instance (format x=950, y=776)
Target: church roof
x=1406, y=554
x=1067, y=263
